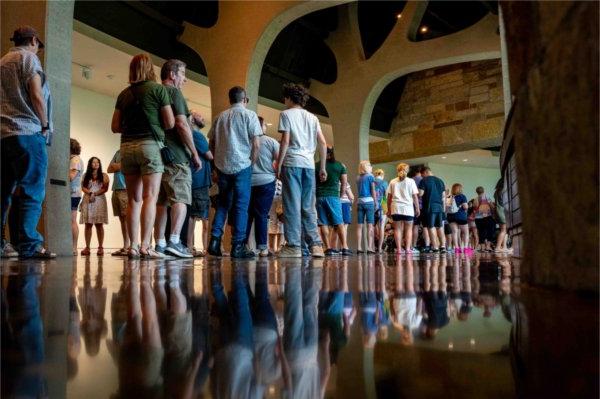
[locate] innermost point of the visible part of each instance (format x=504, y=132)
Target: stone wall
x=553, y=61
x=451, y=108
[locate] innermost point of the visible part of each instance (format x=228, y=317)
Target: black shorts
x=447, y=229
x=432, y=219
x=404, y=218
x=453, y=219
x=200, y=203
x=75, y=203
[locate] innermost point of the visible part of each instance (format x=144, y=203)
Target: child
x=403, y=204
x=365, y=209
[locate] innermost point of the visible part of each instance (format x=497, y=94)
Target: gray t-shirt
x=233, y=132
x=76, y=164
x=302, y=127
x=262, y=171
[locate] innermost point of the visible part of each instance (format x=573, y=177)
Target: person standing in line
x=457, y=217
x=263, y=189
x=474, y=235
x=381, y=208
x=201, y=182
x=75, y=172
x=25, y=126
x=233, y=139
x=329, y=206
x=365, y=210
x=94, y=211
x=141, y=112
x=346, y=199
x=300, y=136
x=176, y=184
x=417, y=222
x=275, y=217
x=501, y=242
x=403, y=207
x=483, y=220
x=119, y=200
x=432, y=189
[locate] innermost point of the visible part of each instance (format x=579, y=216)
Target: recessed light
x=111, y=77
x=444, y=157
x=465, y=160
x=424, y=29
x=269, y=124
x=399, y=16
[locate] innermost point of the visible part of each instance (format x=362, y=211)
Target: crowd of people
x=271, y=194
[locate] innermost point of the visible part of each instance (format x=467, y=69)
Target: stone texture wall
x=553, y=60
x=451, y=108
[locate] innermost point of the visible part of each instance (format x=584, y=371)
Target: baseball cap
x=26, y=32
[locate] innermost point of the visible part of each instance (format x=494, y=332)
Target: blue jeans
x=298, y=197
x=25, y=164
x=234, y=194
x=365, y=211
x=261, y=199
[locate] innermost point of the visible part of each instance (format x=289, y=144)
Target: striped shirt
x=17, y=115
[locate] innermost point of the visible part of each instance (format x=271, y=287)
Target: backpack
x=453, y=207
x=484, y=208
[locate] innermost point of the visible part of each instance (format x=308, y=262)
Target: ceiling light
x=444, y=157
x=424, y=29
x=450, y=345
x=269, y=124
x=399, y=16
x=111, y=77
x=465, y=160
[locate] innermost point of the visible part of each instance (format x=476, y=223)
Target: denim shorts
x=347, y=212
x=329, y=211
x=365, y=211
x=75, y=203
x=432, y=219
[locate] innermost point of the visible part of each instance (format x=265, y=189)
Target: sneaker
x=427, y=250
x=263, y=253
x=457, y=250
x=330, y=252
x=435, y=250
x=160, y=249
x=317, y=251
x=414, y=250
x=8, y=251
x=240, y=251
x=442, y=250
x=178, y=249
x=346, y=252
x=289, y=252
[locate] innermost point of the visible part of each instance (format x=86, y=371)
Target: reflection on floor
x=359, y=327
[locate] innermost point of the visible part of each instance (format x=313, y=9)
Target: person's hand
x=278, y=173
x=323, y=175
x=92, y=197
x=388, y=214
x=196, y=162
x=417, y=212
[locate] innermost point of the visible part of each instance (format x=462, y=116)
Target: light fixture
x=424, y=29
x=444, y=157
x=269, y=124
x=472, y=342
x=451, y=345
x=110, y=77
x=465, y=160
x=399, y=16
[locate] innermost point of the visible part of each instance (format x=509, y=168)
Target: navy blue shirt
x=462, y=212
x=433, y=188
x=201, y=178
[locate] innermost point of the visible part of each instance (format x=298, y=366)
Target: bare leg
x=434, y=238
x=408, y=235
x=204, y=230
x=178, y=214
x=100, y=234
x=441, y=236
x=151, y=184
x=160, y=223
x=341, y=234
x=359, y=243
x=465, y=236
x=455, y=235
x=123, y=222
x=398, y=235
x=415, y=235
x=88, y=234
x=190, y=232
x=426, y=237
x=333, y=236
x=325, y=236
x=381, y=229
x=74, y=230
x=371, y=245
x=134, y=206
x=500, y=242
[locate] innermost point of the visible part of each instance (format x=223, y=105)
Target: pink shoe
x=457, y=250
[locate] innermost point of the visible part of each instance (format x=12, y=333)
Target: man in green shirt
x=176, y=185
x=329, y=207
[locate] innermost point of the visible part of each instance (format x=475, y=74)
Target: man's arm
x=322, y=154
x=255, y=148
x=373, y=191
x=185, y=134
x=344, y=183
x=283, y=147
x=416, y=204
x=37, y=98
x=114, y=167
x=115, y=124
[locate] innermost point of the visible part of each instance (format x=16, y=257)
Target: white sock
x=161, y=242
x=174, y=238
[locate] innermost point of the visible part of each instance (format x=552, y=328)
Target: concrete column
x=504, y=62
x=54, y=22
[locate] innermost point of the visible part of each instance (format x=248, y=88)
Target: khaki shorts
x=176, y=185
x=119, y=202
x=141, y=157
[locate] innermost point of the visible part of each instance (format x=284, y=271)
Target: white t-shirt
x=402, y=196
x=302, y=127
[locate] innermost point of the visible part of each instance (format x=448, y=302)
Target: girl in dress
x=94, y=211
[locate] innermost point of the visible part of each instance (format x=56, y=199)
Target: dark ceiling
x=299, y=52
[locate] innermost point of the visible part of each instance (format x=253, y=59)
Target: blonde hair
x=141, y=69
x=456, y=189
x=379, y=172
x=364, y=167
x=402, y=170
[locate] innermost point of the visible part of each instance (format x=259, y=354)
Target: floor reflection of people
x=300, y=334
x=92, y=300
x=74, y=329
x=407, y=306
x=367, y=301
x=234, y=374
x=22, y=337
x=383, y=300
x=435, y=297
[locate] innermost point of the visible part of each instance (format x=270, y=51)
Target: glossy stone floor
x=450, y=326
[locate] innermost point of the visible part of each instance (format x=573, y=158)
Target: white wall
x=469, y=176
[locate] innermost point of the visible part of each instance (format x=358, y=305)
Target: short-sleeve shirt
x=363, y=183
x=433, y=188
x=17, y=115
x=75, y=163
x=140, y=106
x=119, y=177
x=181, y=154
x=201, y=178
x=402, y=192
x=462, y=212
x=331, y=186
x=380, y=190
x=233, y=132
x=303, y=128
x=417, y=180
x=262, y=170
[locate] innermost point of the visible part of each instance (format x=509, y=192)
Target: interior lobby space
x=497, y=100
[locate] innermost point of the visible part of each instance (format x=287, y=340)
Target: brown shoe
x=317, y=251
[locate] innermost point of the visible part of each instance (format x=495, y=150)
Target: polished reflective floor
x=364, y=327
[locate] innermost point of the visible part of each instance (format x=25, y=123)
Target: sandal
x=120, y=252
x=85, y=251
x=198, y=253
x=133, y=253
x=100, y=251
x=151, y=254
